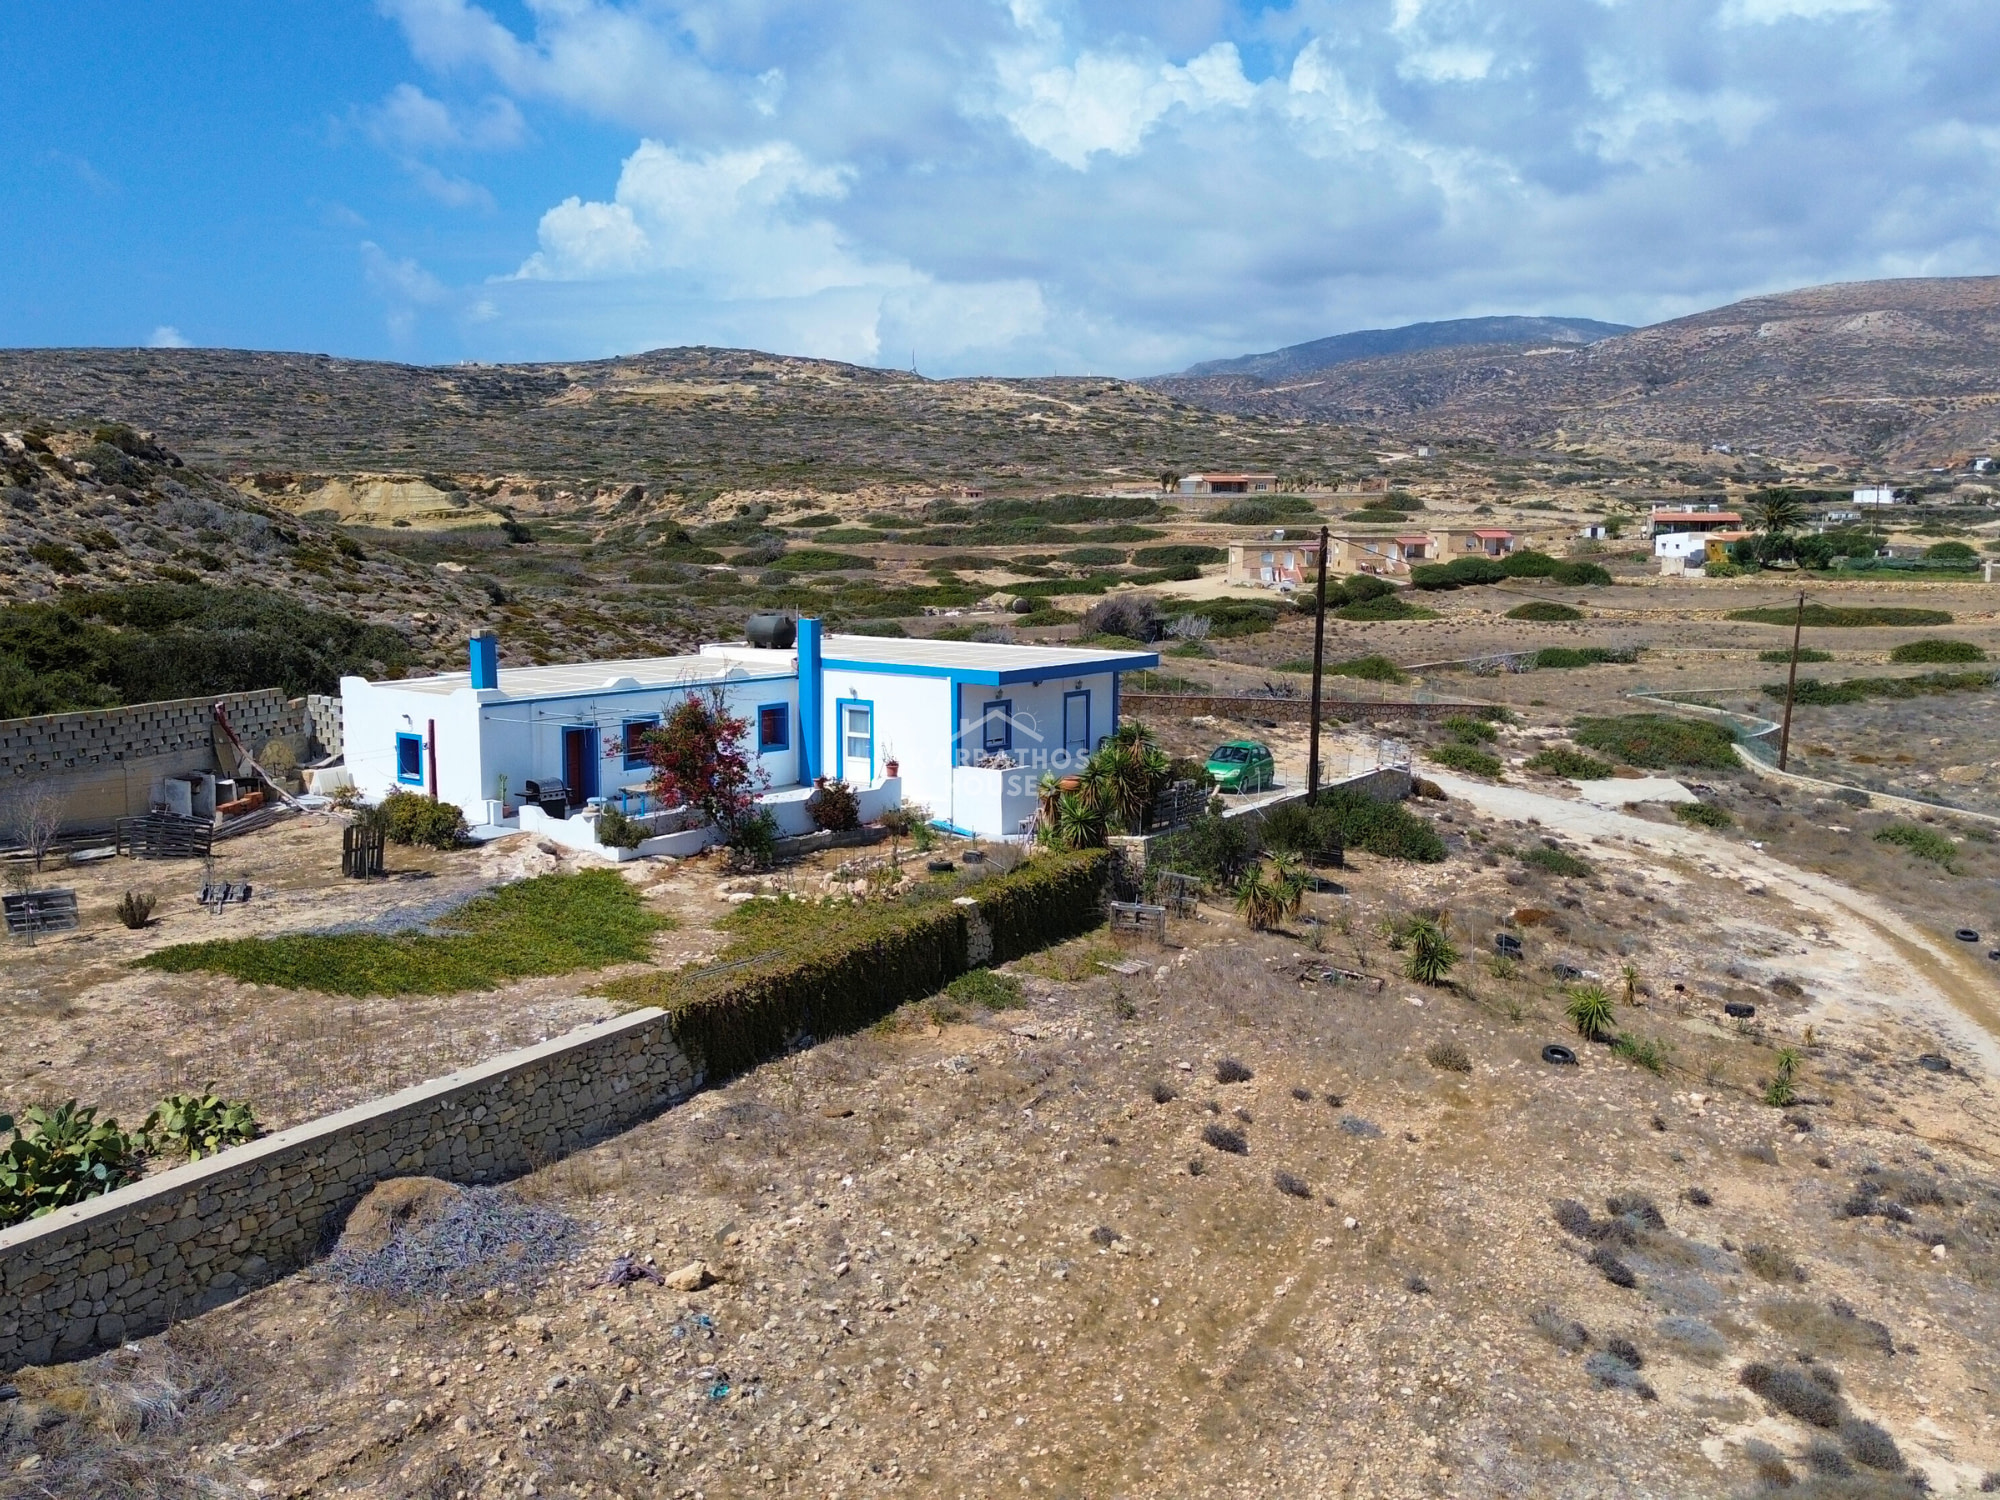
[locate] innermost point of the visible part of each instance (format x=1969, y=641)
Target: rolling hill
x=693, y=421
x=1373, y=343
x=1902, y=372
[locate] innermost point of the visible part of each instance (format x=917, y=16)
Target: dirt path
x=1952, y=988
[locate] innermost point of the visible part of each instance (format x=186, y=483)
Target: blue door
x=1076, y=725
x=579, y=746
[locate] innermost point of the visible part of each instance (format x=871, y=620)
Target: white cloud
x=410, y=120
x=736, y=239
x=166, y=336
x=450, y=190
x=403, y=285
x=1084, y=184
x=1104, y=102
x=1768, y=12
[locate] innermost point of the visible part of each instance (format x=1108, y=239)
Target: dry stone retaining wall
x=128, y=1263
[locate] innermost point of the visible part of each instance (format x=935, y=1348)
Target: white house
x=970, y=727
x=1875, y=494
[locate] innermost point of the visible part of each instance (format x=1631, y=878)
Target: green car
x=1242, y=766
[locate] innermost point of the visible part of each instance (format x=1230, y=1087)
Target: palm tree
x=1776, y=512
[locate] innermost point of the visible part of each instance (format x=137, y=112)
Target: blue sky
x=1007, y=186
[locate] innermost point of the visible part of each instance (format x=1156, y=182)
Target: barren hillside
x=1900, y=372
x=691, y=419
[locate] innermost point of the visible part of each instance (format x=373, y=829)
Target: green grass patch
x=1466, y=758
x=1546, y=611
x=1783, y=655
x=1702, y=815
x=1384, y=607
x=1581, y=656
x=1560, y=760
x=1936, y=652
x=1924, y=843
x=1812, y=693
x=991, y=991
x=553, y=924
x=1845, y=618
x=1645, y=1052
x=1658, y=741
x=1556, y=862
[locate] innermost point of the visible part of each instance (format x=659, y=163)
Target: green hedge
x=1467, y=572
x=840, y=976
x=1843, y=617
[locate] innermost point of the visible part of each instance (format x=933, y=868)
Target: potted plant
x=889, y=762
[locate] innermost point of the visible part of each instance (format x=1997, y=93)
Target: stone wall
x=1131, y=851
x=185, y=1240
x=104, y=762
x=1288, y=710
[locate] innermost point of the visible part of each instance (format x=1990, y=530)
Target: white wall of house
x=909, y=718
x=1681, y=544
x=482, y=734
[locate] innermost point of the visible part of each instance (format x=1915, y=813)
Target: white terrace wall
x=189, y=1239
x=105, y=761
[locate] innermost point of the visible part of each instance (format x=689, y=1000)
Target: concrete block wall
x=323, y=724
x=186, y=1240
x=105, y=761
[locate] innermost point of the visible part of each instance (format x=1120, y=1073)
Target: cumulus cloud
x=166, y=336
x=738, y=238
x=1082, y=184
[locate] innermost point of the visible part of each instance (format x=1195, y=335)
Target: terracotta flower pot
x=1071, y=783
x=893, y=767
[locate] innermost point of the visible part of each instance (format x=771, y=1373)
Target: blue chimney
x=812, y=760
x=486, y=660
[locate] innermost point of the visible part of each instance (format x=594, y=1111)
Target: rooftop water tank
x=772, y=632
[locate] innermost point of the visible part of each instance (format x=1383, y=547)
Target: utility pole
x=1791, y=684
x=1319, y=654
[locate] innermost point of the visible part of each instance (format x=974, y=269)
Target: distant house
x=1715, y=545
x=1228, y=484
x=1683, y=533
x=1490, y=540
x=1878, y=494
x=1274, y=562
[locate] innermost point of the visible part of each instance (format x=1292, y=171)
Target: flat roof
x=1694, y=515
x=638, y=673
x=975, y=661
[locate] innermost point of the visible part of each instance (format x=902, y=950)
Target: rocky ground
x=972, y=1252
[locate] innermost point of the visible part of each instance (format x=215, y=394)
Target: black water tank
x=772, y=632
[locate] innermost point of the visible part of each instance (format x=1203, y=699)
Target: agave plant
x=1432, y=954
x=1128, y=773
x=1260, y=900
x=1782, y=1090
x=1589, y=1010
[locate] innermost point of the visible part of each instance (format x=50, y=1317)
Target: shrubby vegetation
x=1560, y=760
x=166, y=640
x=1658, y=741
x=1811, y=692
x=1845, y=617
x=412, y=818
x=1581, y=656
x=1467, y=572
x=1924, y=843
x=1544, y=610
x=1937, y=652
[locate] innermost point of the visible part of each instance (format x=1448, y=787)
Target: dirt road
x=1950, y=983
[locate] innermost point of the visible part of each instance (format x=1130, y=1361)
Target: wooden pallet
x=31, y=913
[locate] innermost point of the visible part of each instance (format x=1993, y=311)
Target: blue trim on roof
x=994, y=677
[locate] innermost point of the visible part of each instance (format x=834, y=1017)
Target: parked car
x=1242, y=766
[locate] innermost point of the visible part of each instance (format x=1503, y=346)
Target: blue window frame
x=635, y=733
x=410, y=759
x=996, y=724
x=774, y=727
x=854, y=731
